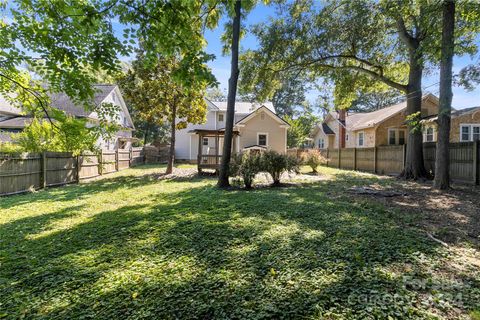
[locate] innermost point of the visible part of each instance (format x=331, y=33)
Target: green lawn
x=132, y=246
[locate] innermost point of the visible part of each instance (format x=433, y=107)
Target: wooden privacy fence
x=464, y=160
x=390, y=160
x=23, y=172
x=381, y=160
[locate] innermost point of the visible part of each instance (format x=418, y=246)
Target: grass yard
x=133, y=246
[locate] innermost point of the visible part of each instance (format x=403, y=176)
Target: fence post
x=328, y=155
x=404, y=158
x=100, y=162
x=116, y=160
x=355, y=159
x=475, y=162
x=375, y=159
x=77, y=165
x=339, y=157
x=43, y=183
x=130, y=157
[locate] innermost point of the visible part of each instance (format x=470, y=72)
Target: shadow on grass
x=204, y=253
x=109, y=183
x=452, y=215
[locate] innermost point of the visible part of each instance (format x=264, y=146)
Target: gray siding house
x=13, y=120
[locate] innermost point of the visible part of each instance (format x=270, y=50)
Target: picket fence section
x=31, y=171
x=390, y=160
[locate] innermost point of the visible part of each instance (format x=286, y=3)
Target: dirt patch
x=179, y=174
x=375, y=191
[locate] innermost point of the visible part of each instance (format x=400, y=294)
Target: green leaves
x=300, y=129
x=64, y=134
x=166, y=90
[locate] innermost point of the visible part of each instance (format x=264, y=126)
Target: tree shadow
x=207, y=253
x=452, y=216
x=104, y=183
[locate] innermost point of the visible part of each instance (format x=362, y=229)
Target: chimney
x=342, y=113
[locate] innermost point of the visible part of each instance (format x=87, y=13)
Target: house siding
x=470, y=118
x=276, y=134
x=376, y=136
x=330, y=140
x=463, y=119
x=186, y=144
x=395, y=122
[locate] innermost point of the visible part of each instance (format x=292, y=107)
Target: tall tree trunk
x=232, y=92
x=442, y=162
x=171, y=155
x=414, y=166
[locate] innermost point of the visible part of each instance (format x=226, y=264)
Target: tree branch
x=378, y=75
x=406, y=37
x=33, y=93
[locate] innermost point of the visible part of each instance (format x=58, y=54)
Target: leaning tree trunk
x=414, y=166
x=442, y=162
x=171, y=154
x=232, y=92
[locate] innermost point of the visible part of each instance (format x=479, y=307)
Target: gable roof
x=240, y=106
x=455, y=114
x=363, y=120
x=322, y=127
x=62, y=101
x=326, y=129
x=15, y=123
x=267, y=111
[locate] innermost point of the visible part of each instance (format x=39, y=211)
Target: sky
x=221, y=65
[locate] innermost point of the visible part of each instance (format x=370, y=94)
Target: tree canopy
x=351, y=43
x=158, y=97
x=60, y=46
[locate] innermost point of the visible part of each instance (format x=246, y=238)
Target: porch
x=210, y=157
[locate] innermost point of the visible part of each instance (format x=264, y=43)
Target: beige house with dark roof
x=370, y=129
x=387, y=126
x=257, y=126
x=465, y=126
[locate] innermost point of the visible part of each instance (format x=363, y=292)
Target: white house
x=257, y=126
x=13, y=120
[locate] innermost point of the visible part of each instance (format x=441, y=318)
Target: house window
x=346, y=137
x=321, y=143
x=361, y=139
x=470, y=132
x=220, y=117
x=396, y=136
x=262, y=139
x=401, y=137
x=429, y=134
x=392, y=136
x=465, y=133
x=205, y=141
x=476, y=133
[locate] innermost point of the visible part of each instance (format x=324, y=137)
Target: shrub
x=7, y=147
x=246, y=165
x=65, y=134
x=313, y=158
x=276, y=164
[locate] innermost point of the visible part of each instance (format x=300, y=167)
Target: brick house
x=387, y=126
